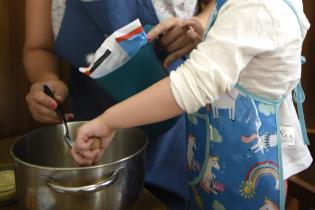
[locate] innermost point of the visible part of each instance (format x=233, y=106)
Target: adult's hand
x=179, y=37
x=41, y=106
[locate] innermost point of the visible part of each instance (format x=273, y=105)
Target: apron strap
x=303, y=60
x=212, y=17
x=296, y=14
x=298, y=95
x=299, y=98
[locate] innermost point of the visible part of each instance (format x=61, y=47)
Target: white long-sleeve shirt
x=175, y=8
x=256, y=43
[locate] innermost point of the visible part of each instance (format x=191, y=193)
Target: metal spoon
x=96, y=144
x=61, y=115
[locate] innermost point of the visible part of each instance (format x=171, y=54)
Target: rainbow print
x=265, y=168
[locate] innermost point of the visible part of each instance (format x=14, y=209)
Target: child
x=246, y=137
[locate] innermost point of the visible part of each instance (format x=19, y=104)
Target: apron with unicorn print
x=234, y=150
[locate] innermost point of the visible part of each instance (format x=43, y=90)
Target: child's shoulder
x=278, y=14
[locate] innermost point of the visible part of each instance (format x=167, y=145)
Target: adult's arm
x=40, y=63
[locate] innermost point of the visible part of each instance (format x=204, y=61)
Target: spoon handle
x=96, y=141
x=58, y=110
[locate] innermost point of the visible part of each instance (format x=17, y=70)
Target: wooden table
x=147, y=201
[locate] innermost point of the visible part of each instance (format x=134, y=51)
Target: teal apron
x=85, y=26
x=234, y=151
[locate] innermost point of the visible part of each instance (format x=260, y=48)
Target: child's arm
x=212, y=70
x=158, y=100
x=155, y=104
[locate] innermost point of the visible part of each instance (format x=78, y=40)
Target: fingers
x=179, y=37
x=59, y=89
x=162, y=27
x=172, y=35
x=44, y=114
x=178, y=54
x=84, y=155
x=193, y=35
x=82, y=151
x=84, y=145
x=179, y=43
x=98, y=157
x=77, y=157
x=82, y=160
x=40, y=97
x=89, y=154
x=42, y=107
x=69, y=116
x=194, y=23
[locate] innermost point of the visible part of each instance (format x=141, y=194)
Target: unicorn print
x=208, y=180
x=269, y=205
x=214, y=135
x=191, y=146
x=264, y=142
x=227, y=101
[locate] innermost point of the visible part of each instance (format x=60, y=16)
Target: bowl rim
x=16, y=159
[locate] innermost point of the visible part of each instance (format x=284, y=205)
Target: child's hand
x=178, y=36
x=83, y=151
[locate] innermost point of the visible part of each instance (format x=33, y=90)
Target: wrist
x=49, y=77
x=107, y=120
x=202, y=20
x=203, y=16
x=44, y=78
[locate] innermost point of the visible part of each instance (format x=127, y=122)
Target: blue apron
x=84, y=27
x=234, y=151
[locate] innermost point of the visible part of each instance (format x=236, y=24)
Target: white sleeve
x=242, y=30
